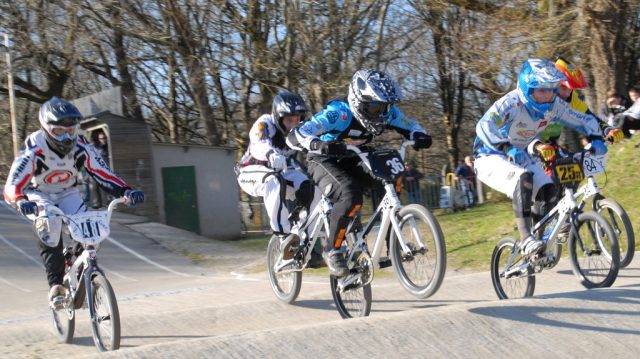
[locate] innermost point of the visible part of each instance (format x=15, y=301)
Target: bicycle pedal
x=57, y=303
x=384, y=262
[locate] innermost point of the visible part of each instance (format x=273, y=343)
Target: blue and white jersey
x=508, y=122
x=336, y=122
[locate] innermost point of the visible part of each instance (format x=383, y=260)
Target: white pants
x=260, y=181
x=69, y=201
x=497, y=172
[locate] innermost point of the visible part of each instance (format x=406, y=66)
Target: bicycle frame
x=86, y=263
x=388, y=207
x=317, y=220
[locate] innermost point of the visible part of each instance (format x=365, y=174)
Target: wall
x=216, y=185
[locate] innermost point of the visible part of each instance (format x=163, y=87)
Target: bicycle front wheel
x=285, y=284
x=511, y=275
x=595, y=258
x=617, y=217
x=351, y=301
x=106, y=323
x=422, y=270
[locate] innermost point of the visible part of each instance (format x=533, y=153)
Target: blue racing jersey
x=335, y=122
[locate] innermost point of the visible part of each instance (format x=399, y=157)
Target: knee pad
x=522, y=195
x=304, y=194
x=48, y=230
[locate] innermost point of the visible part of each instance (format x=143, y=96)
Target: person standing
x=466, y=176
x=411, y=180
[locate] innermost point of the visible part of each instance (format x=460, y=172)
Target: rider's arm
x=491, y=129
x=584, y=123
x=100, y=171
x=22, y=170
x=329, y=120
x=404, y=125
x=260, y=144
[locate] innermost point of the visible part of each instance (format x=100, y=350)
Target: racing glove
x=597, y=147
x=277, y=161
x=421, y=140
x=134, y=196
x=613, y=135
x=26, y=207
x=516, y=155
x=334, y=148
x=546, y=151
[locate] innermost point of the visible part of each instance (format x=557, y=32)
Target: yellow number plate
x=569, y=173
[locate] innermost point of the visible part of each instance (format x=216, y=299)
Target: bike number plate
x=592, y=165
x=89, y=227
x=569, y=173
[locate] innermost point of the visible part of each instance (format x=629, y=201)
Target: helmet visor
x=375, y=109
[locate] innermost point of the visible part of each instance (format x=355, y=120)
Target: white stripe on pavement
x=36, y=261
x=147, y=259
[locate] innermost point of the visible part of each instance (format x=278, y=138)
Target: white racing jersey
x=263, y=140
x=40, y=168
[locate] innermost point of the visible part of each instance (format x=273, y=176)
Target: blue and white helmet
x=538, y=74
x=370, y=94
x=60, y=121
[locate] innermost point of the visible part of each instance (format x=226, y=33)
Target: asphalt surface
x=181, y=295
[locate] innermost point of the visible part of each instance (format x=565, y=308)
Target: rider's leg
x=517, y=182
x=346, y=194
x=546, y=198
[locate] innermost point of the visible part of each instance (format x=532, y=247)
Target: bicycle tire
x=352, y=303
x=285, y=286
x=587, y=248
x=617, y=217
x=519, y=285
x=64, y=323
x=420, y=273
x=106, y=324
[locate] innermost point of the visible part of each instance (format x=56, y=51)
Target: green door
x=180, y=197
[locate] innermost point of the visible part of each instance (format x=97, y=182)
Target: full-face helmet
x=60, y=121
x=575, y=78
x=287, y=103
x=538, y=74
x=371, y=92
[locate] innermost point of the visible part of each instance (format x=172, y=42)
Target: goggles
x=62, y=133
x=547, y=86
x=375, y=108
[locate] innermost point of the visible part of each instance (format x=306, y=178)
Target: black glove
x=329, y=148
x=27, y=207
x=421, y=140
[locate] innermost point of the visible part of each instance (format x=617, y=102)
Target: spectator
x=629, y=120
x=411, y=182
x=615, y=105
x=466, y=176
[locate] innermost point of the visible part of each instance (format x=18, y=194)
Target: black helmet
x=370, y=94
x=287, y=103
x=60, y=121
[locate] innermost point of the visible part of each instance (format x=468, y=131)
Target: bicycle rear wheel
x=617, y=217
x=285, y=285
x=106, y=324
x=595, y=258
x=64, y=323
x=420, y=272
x=511, y=275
